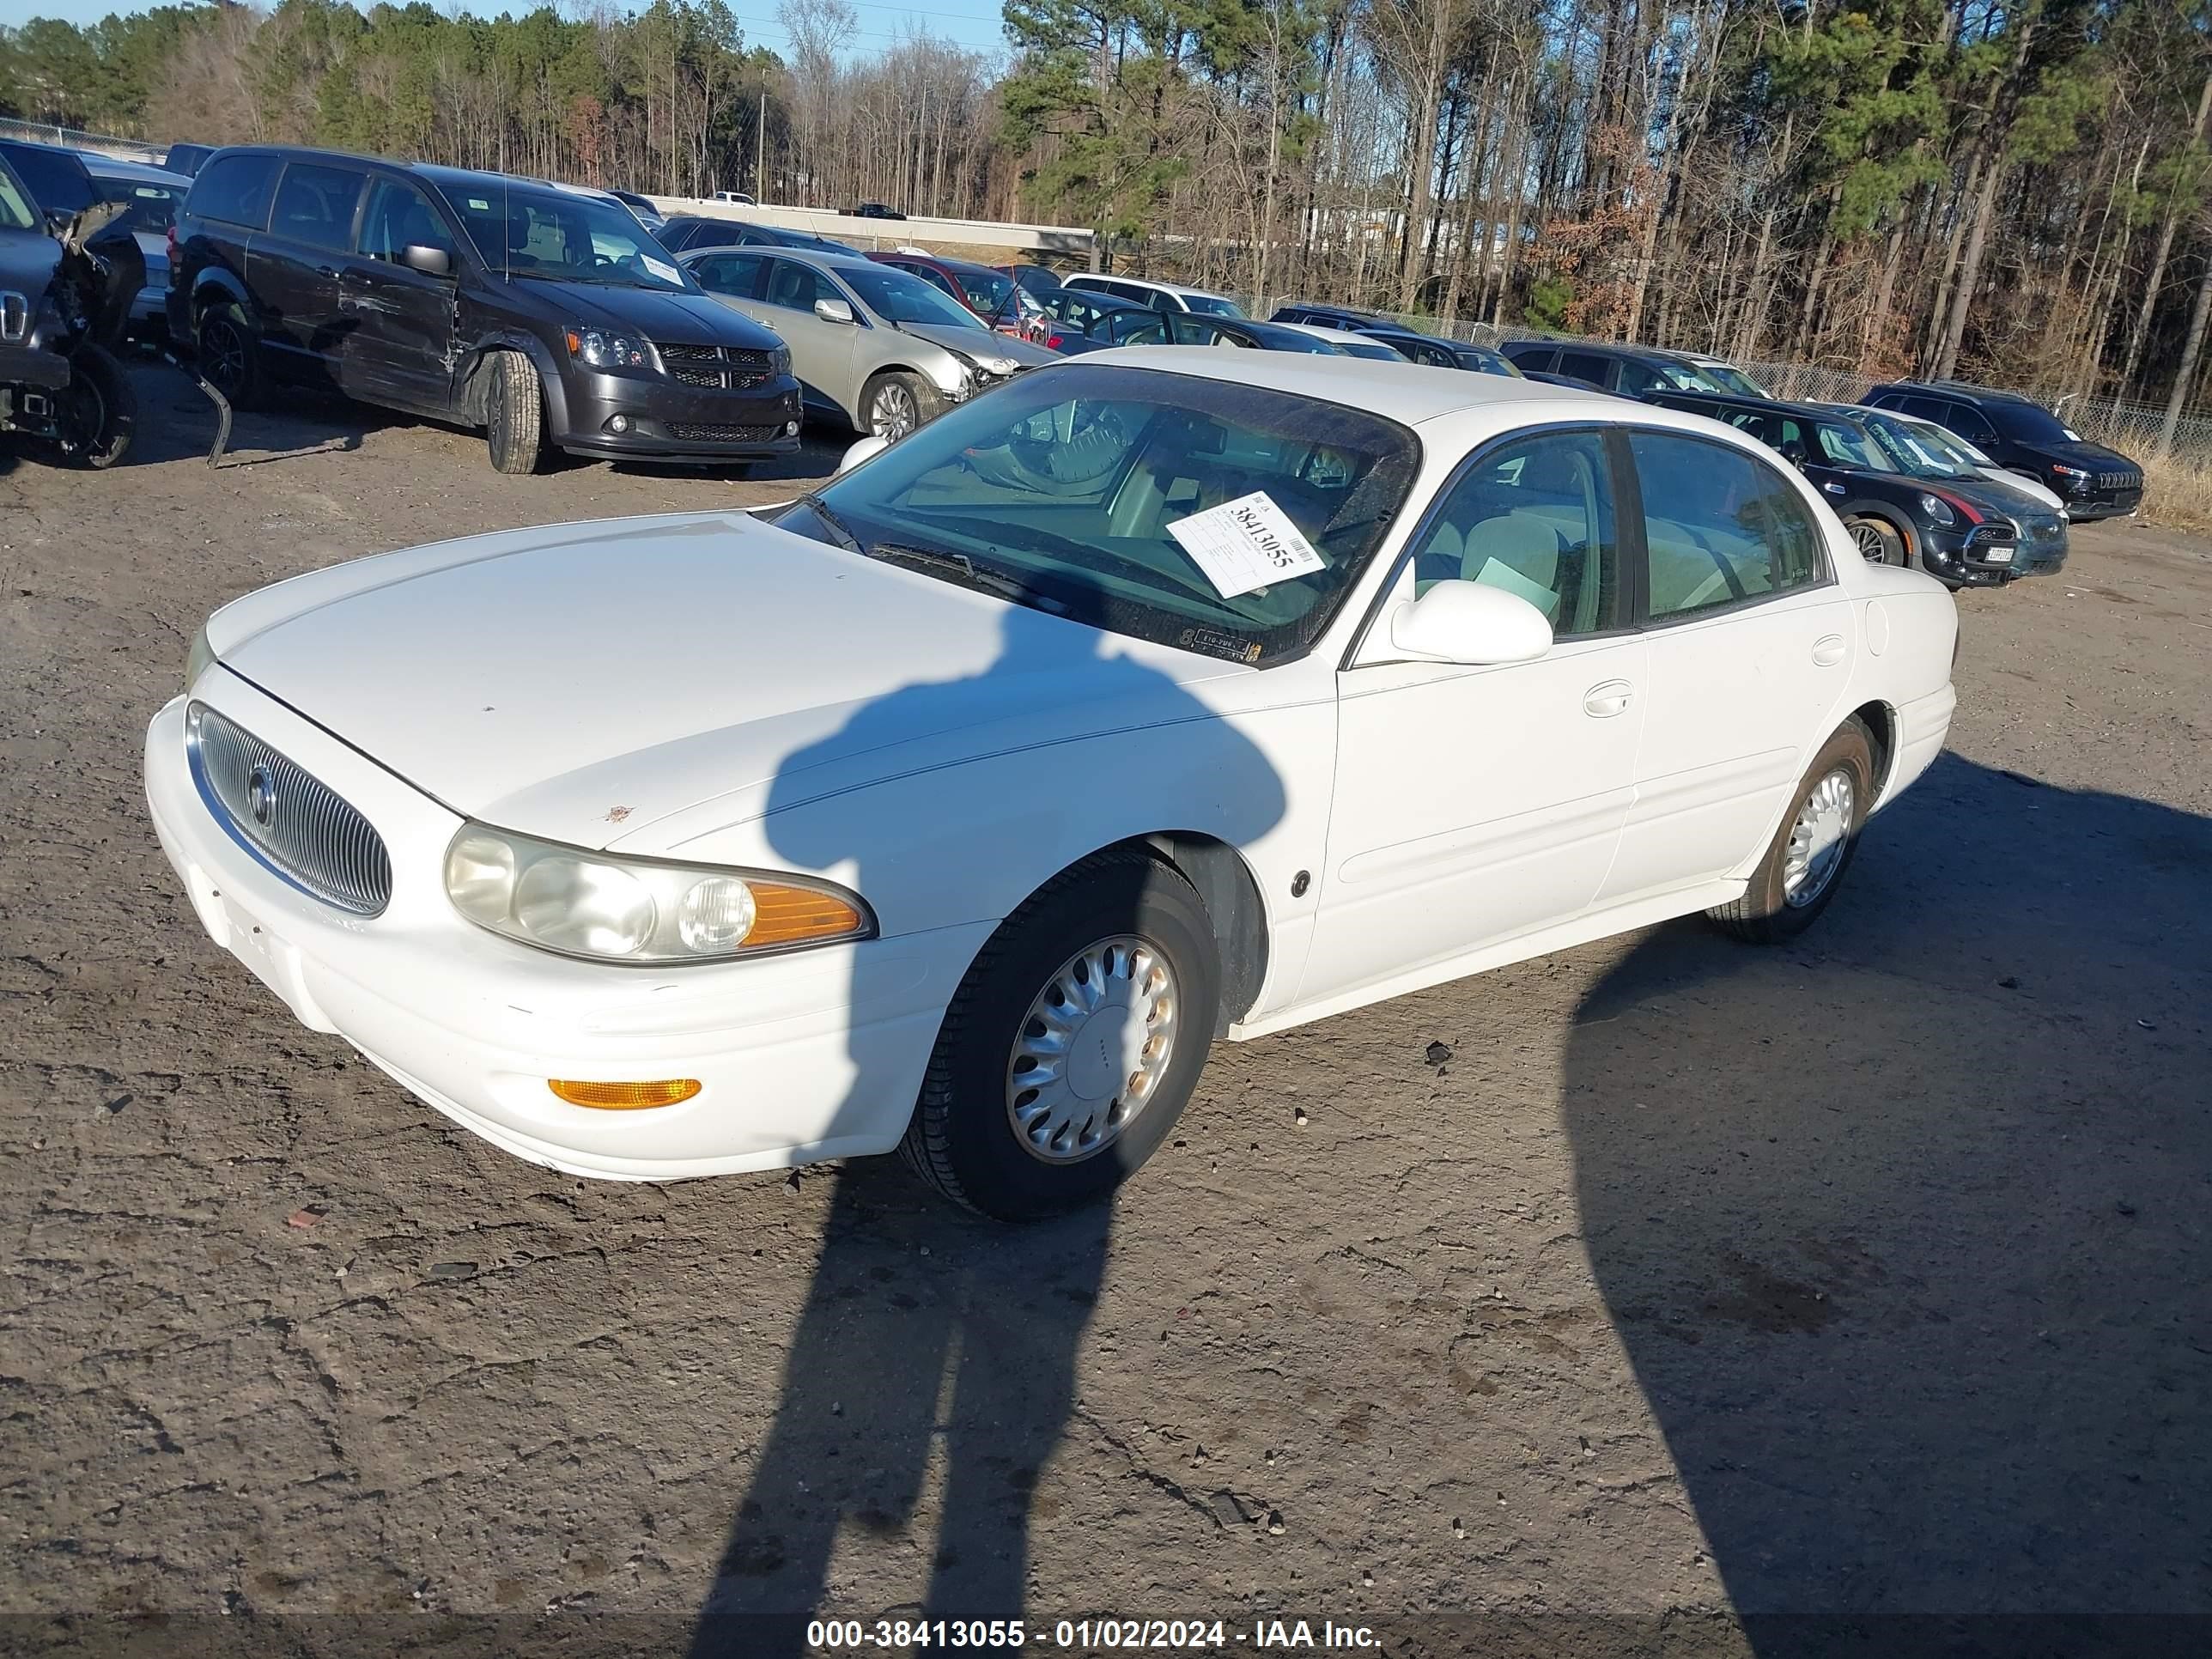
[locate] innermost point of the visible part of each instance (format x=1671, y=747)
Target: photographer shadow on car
x=934, y=1367
x=1902, y=1231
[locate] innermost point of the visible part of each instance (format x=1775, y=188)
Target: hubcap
x=1816, y=840
x=1091, y=1050
x=1873, y=548
x=894, y=413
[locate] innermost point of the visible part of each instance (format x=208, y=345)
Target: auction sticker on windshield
x=1244, y=545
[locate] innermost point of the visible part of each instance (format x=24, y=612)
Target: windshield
x=1942, y=442
x=17, y=212
x=987, y=290
x=1911, y=451
x=1685, y=378
x=556, y=237
x=1730, y=378
x=1353, y=346
x=897, y=297
x=153, y=208
x=2026, y=423
x=1070, y=482
x=1212, y=305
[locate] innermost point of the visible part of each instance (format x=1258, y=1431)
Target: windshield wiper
x=966, y=573
x=831, y=522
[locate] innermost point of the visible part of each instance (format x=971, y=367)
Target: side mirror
x=866, y=450
x=834, y=311
x=430, y=261
x=1470, y=622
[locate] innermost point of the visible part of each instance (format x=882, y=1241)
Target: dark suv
x=545, y=316
x=2020, y=436
x=1630, y=370
x=1900, y=508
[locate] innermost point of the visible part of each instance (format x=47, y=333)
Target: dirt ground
x=1698, y=1290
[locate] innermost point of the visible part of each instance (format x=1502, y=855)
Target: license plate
x=1998, y=555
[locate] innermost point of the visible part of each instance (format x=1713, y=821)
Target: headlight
x=198, y=660
x=1938, y=509
x=595, y=905
x=778, y=360
x=603, y=350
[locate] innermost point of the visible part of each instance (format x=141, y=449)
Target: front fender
x=548, y=376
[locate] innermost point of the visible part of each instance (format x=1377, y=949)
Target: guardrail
x=1066, y=240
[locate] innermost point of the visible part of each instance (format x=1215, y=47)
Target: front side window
x=556, y=236
x=1535, y=518
x=795, y=287
x=1968, y=422
x=399, y=217
x=1061, y=490
x=1584, y=366
x=17, y=210
x=315, y=204
x=1720, y=526
x=1136, y=328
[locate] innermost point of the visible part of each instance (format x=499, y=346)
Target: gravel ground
x=1693, y=1290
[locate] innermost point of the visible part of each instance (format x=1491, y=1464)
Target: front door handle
x=1602, y=702
x=1828, y=650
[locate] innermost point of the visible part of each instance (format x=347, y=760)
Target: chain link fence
x=123, y=150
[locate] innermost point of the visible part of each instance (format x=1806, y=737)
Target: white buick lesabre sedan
x=1158, y=696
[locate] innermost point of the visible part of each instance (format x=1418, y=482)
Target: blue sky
x=970, y=23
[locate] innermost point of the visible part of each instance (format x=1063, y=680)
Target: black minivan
x=545, y=316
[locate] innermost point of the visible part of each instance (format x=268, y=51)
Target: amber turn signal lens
x=788, y=915
x=625, y=1097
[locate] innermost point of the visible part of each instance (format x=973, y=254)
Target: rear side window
x=235, y=188
x=1969, y=423
x=1926, y=408
x=1540, y=358
x=315, y=204
x=1586, y=366
x=1720, y=527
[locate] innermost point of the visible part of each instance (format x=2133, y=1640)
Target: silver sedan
x=880, y=349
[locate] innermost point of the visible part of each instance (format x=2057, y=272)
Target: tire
x=897, y=399
x=1878, y=540
x=975, y=1124
x=107, y=409
x=514, y=413
x=1778, y=903
x=228, y=351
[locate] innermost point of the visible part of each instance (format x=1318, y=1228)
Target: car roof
x=1762, y=405
x=110, y=167
x=1152, y=281
x=1966, y=389
x=1409, y=393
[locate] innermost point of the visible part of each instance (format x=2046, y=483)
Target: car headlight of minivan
x=778, y=360
x=198, y=660
x=603, y=349
x=609, y=909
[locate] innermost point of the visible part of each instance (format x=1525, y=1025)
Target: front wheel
x=1072, y=1045
x=1878, y=541
x=895, y=402
x=103, y=409
x=514, y=413
x=1805, y=863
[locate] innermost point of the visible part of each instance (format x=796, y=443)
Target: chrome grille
x=2120, y=481
x=698, y=432
x=732, y=369
x=286, y=816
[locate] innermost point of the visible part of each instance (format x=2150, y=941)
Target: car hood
x=2020, y=495
x=690, y=319
x=2090, y=458
x=583, y=682
x=27, y=259
x=982, y=343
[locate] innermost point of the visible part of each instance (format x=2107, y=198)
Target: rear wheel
x=226, y=349
x=1805, y=864
x=1073, y=1043
x=514, y=413
x=1878, y=541
x=895, y=402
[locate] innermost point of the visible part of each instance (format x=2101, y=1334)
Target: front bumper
x=664, y=421
x=814, y=1054
x=1948, y=555
x=2094, y=504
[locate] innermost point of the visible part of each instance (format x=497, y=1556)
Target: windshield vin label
x=1244, y=545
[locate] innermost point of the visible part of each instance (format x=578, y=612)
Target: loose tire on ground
x=1878, y=541
x=895, y=402
x=514, y=413
x=1770, y=910
x=964, y=1138
x=228, y=351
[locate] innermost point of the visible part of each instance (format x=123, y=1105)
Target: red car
x=990, y=295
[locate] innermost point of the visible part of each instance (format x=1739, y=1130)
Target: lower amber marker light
x=625, y=1097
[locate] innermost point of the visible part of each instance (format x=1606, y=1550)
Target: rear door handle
x=1602, y=702
x=1829, y=650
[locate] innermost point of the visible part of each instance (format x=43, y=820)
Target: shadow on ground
x=1894, y=1265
